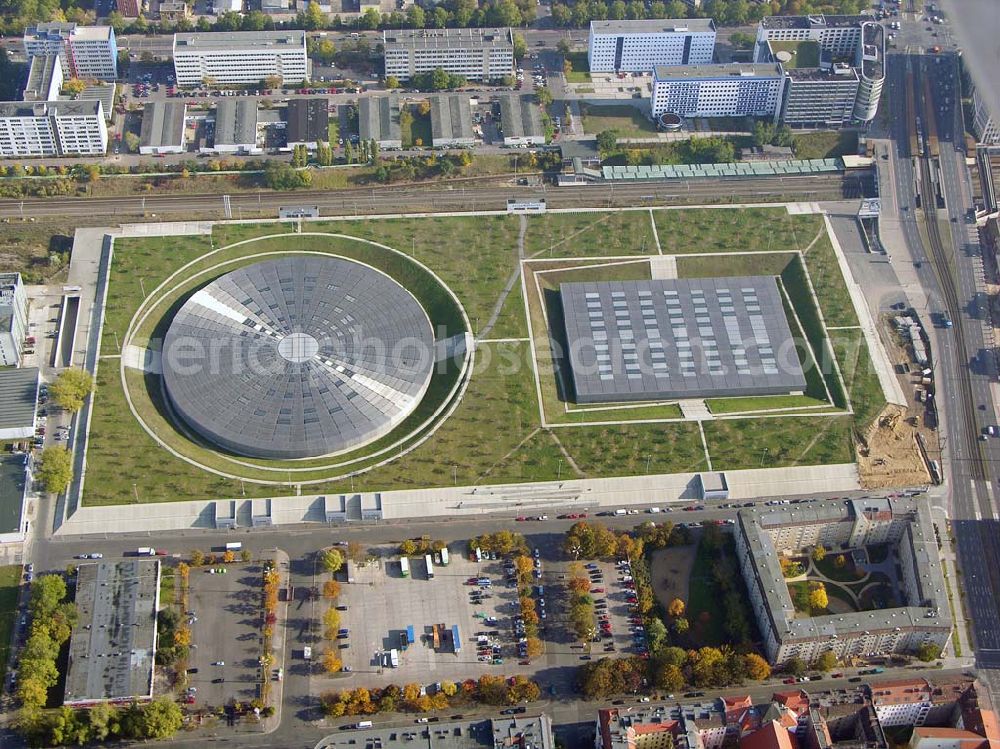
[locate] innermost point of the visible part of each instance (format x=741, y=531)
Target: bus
x=430, y=566
x=404, y=566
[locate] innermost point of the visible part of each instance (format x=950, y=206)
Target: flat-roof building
x=236, y=126
x=476, y=54
x=240, y=57
x=679, y=338
x=820, y=98
x=514, y=732
x=728, y=90
x=84, y=51
x=14, y=480
x=13, y=319
x=18, y=403
x=113, y=644
x=521, y=121
x=451, y=121
x=59, y=128
x=639, y=46
x=984, y=124
x=163, y=128
x=922, y=615
x=308, y=122
x=45, y=78
x=378, y=120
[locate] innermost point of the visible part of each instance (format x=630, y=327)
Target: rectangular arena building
x=680, y=338
x=113, y=645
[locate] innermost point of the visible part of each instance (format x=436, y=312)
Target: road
x=415, y=199
x=948, y=267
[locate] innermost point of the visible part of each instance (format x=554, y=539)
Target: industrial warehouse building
x=236, y=126
x=521, y=121
x=113, y=644
x=163, y=128
x=378, y=120
x=476, y=54
x=904, y=524
x=681, y=338
x=639, y=46
x=240, y=57
x=451, y=121
x=308, y=122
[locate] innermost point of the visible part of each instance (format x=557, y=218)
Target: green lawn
x=845, y=574
x=581, y=67
x=862, y=383
x=741, y=230
x=333, y=131
x=704, y=604
x=418, y=131
x=825, y=144
x=778, y=442
x=590, y=234
x=828, y=281
x=627, y=120
x=10, y=580
x=762, y=402
x=805, y=54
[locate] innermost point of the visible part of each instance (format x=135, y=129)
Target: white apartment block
x=476, y=54
x=731, y=90
x=985, y=125
x=639, y=46
x=86, y=52
x=240, y=57
x=62, y=128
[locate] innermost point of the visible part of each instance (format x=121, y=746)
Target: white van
x=364, y=724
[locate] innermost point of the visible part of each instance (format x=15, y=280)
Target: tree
x=563, y=46
x=131, y=142
x=46, y=593
x=197, y=558
x=161, y=719
x=681, y=625
x=440, y=79
x=818, y=600
x=416, y=18
x=356, y=552
x=331, y=623
x=607, y=141
x=408, y=548
x=313, y=18
x=533, y=647
x=567, y=67
x=825, y=662
x=795, y=666
x=281, y=176
x=391, y=82
x=74, y=86
x=676, y=608
x=331, y=589
x=331, y=560
x=31, y=691
x=56, y=469
x=670, y=677
x=928, y=651
x=543, y=96
x=331, y=662
x=840, y=561
x=70, y=389
x=657, y=634
x=520, y=47
x=229, y=556
x=818, y=553
x=245, y=555
x=756, y=667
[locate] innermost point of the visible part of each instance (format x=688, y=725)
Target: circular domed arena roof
x=297, y=357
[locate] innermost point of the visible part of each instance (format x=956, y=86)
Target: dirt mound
x=888, y=453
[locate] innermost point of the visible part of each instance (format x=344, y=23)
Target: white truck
x=394, y=658
x=145, y=551
x=307, y=653
x=234, y=546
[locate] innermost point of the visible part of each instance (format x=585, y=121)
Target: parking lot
x=224, y=614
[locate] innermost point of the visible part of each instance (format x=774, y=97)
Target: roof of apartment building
x=76, y=108
x=92, y=33
x=717, y=70
x=658, y=26
x=162, y=124
x=23, y=109
x=236, y=122
x=770, y=736
x=226, y=40
x=795, y=700
x=780, y=713
x=448, y=38
x=815, y=21
x=49, y=29
x=901, y=692
x=839, y=73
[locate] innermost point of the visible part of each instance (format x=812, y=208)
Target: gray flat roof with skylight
x=680, y=338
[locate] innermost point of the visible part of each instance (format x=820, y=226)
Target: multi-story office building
x=815, y=97
x=240, y=57
x=87, y=52
x=814, y=51
x=56, y=128
x=13, y=319
x=731, y=90
x=983, y=121
x=921, y=616
x=45, y=79
x=639, y=46
x=476, y=54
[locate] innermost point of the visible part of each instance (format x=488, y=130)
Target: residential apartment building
x=921, y=617
x=240, y=57
x=817, y=89
x=983, y=121
x=476, y=54
x=820, y=98
x=902, y=703
x=86, y=52
x=13, y=319
x=59, y=128
x=730, y=90
x=639, y=46
x=45, y=79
